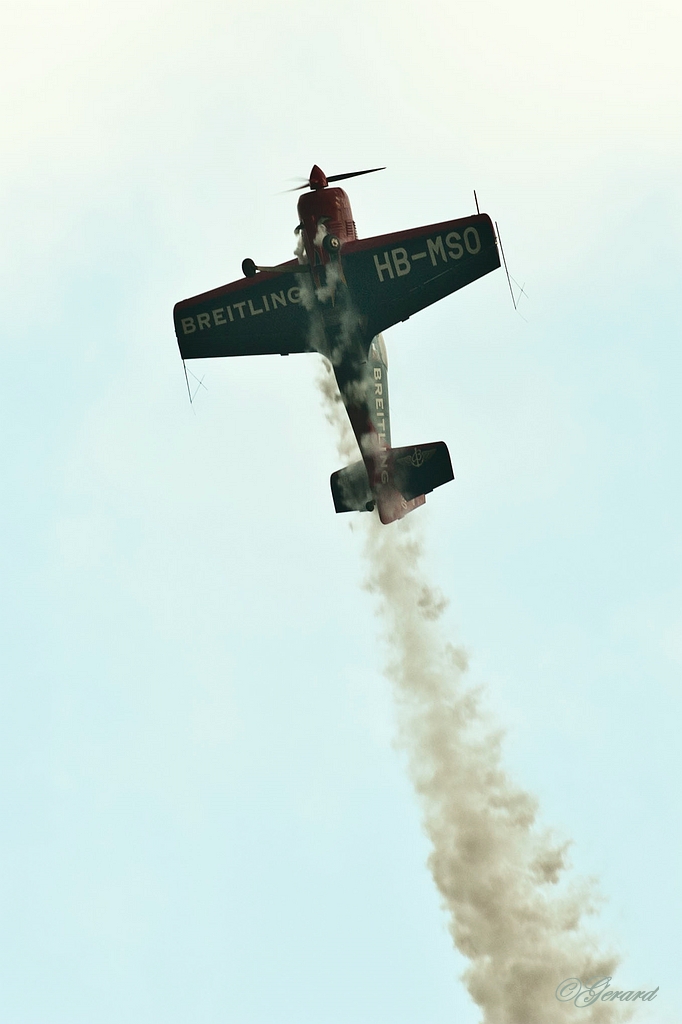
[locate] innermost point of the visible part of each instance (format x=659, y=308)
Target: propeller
x=318, y=179
x=354, y=174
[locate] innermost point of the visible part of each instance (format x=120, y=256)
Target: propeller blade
x=331, y=177
x=353, y=174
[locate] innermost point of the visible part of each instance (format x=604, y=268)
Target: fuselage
x=359, y=360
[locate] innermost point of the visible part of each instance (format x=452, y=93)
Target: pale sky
x=205, y=815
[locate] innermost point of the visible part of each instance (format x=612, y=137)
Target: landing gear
x=249, y=268
x=370, y=506
x=332, y=244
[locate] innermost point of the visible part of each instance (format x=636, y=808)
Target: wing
x=393, y=276
x=261, y=315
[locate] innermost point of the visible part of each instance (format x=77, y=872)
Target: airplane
x=336, y=298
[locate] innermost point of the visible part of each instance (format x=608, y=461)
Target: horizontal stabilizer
x=350, y=489
x=415, y=472
x=419, y=469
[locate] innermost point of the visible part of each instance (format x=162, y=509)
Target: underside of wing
x=261, y=315
x=393, y=276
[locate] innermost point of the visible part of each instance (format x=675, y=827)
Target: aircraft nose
x=318, y=178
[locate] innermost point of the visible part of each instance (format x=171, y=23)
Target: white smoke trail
x=335, y=412
x=511, y=910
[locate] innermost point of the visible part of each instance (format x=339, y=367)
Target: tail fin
x=416, y=471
